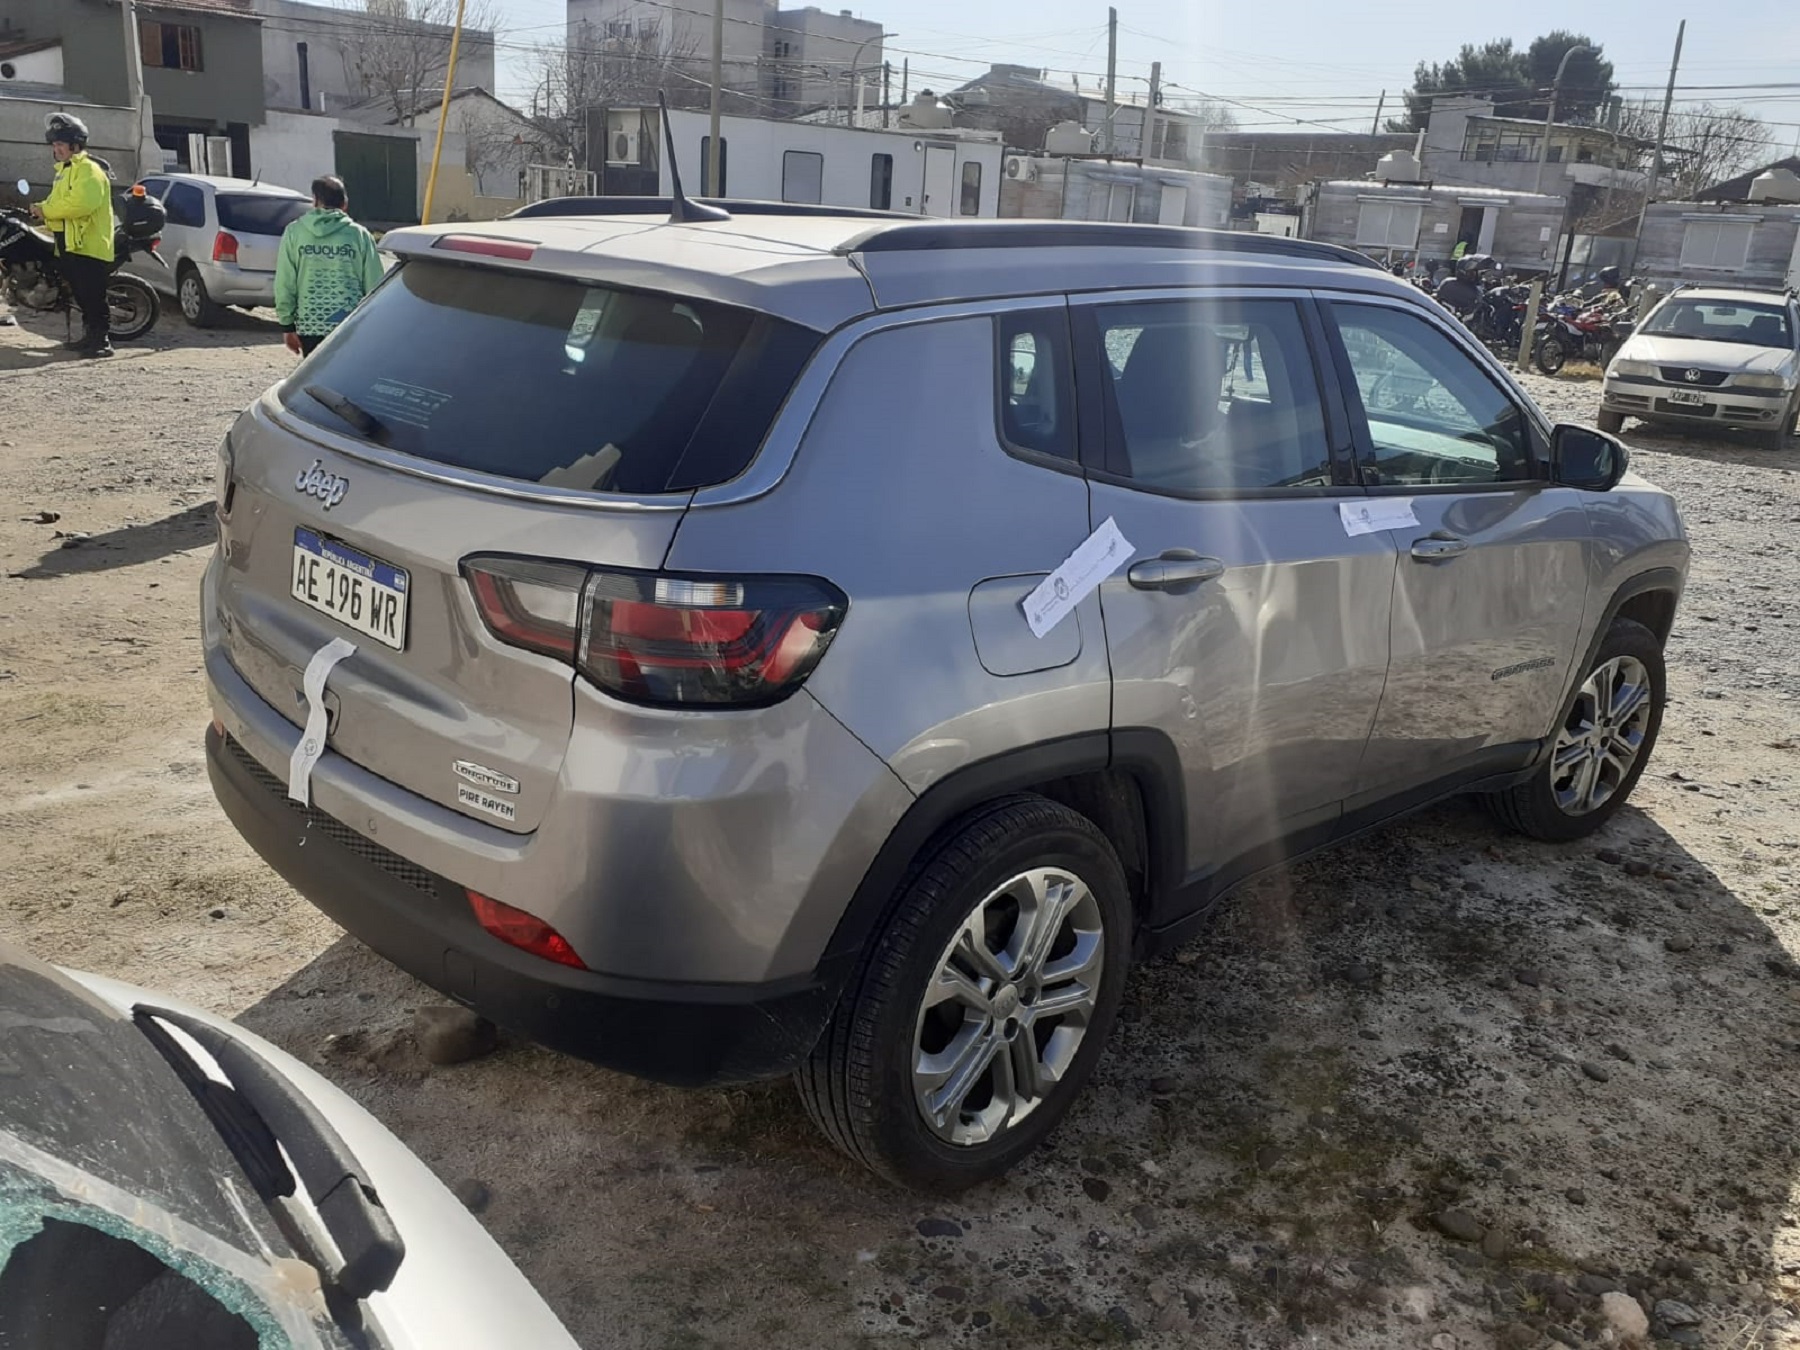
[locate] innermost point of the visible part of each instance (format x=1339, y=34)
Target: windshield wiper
x=261, y=1109
x=348, y=409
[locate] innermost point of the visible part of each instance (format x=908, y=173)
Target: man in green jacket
x=79, y=210
x=327, y=264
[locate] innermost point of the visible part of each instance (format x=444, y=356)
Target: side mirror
x=1581, y=457
x=24, y=188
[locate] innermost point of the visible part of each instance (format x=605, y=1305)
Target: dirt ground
x=1444, y=1088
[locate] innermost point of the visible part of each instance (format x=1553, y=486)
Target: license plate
x=1687, y=396
x=360, y=592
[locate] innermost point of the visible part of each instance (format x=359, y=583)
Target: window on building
x=724, y=161
x=170, y=46
x=802, y=176
x=1722, y=245
x=881, y=181
x=971, y=189
x=1388, y=224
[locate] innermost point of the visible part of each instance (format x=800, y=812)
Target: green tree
x=1517, y=81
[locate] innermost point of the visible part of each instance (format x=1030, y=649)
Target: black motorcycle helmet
x=65, y=127
x=1609, y=276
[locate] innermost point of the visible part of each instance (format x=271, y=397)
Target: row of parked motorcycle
x=1588, y=322
x=31, y=280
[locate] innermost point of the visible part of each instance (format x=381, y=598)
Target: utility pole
x=1148, y=149
x=905, y=79
x=713, y=156
x=1662, y=130
x=1112, y=72
x=437, y=150
x=1550, y=116
x=1380, y=103
x=887, y=75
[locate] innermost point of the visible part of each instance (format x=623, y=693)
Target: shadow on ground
x=127, y=546
x=1441, y=1081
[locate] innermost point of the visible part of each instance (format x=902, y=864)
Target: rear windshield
x=259, y=213
x=1723, y=321
x=545, y=380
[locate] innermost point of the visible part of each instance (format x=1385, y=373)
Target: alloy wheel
x=190, y=297
x=1599, y=745
x=1010, y=1003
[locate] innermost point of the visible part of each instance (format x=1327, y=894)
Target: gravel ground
x=1444, y=1088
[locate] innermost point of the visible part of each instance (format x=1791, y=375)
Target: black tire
x=1610, y=422
x=1785, y=436
x=1550, y=353
x=858, y=1085
x=1536, y=807
x=197, y=307
x=134, y=305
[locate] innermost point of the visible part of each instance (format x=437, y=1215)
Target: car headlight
x=1779, y=383
x=1641, y=369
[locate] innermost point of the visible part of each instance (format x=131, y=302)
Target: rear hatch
x=537, y=425
x=256, y=220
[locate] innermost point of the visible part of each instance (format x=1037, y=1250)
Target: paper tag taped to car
x=312, y=737
x=1377, y=513
x=1100, y=555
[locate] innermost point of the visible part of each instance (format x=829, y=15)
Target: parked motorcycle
x=31, y=280
x=1571, y=330
x=1498, y=319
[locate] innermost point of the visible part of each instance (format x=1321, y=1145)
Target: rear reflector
x=485, y=246
x=518, y=929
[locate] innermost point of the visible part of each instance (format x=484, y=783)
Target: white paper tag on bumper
x=312, y=738
x=1373, y=514
x=1099, y=555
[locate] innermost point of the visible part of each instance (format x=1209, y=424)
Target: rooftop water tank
x=1399, y=166
x=1068, y=138
x=1775, y=185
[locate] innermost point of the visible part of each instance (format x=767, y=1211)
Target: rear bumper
x=231, y=285
x=690, y=1035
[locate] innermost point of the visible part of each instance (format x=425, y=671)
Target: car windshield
x=570, y=384
x=1723, y=321
x=259, y=212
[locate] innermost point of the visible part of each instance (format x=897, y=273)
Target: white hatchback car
x=220, y=241
x=1723, y=356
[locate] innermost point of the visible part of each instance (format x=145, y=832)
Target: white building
x=929, y=172
x=315, y=56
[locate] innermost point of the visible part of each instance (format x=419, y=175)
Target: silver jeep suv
x=832, y=644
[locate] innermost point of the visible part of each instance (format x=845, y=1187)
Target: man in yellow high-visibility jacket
x=79, y=209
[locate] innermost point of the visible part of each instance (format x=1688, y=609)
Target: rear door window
x=570, y=384
x=185, y=205
x=1212, y=396
x=258, y=213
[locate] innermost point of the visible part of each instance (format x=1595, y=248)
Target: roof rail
x=914, y=235
x=652, y=206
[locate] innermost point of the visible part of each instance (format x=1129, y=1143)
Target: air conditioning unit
x=622, y=147
x=1022, y=168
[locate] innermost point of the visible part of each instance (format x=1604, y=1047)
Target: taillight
x=225, y=247
x=533, y=605
x=518, y=929
x=665, y=641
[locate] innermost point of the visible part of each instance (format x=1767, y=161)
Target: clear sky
x=1301, y=62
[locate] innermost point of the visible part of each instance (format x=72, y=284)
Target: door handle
x=1438, y=547
x=1176, y=570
